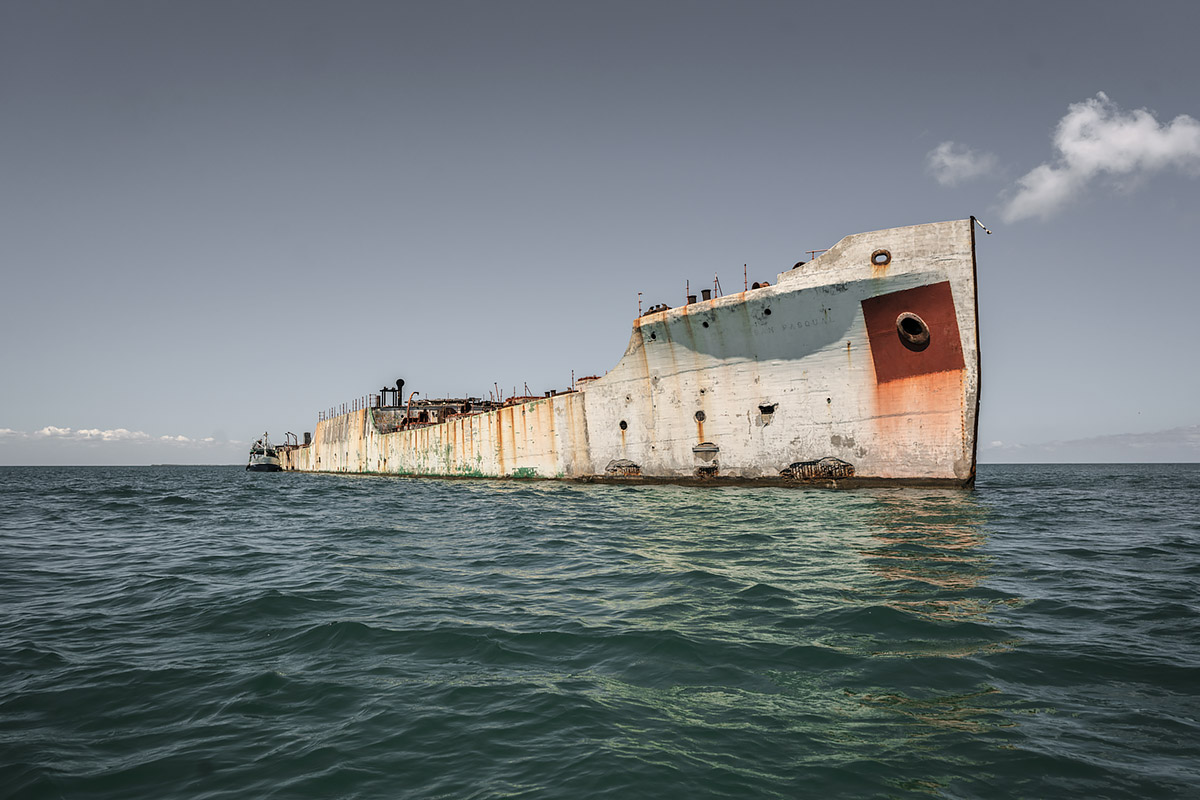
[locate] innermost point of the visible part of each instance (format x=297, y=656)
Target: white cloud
x=1096, y=138
x=51, y=430
x=53, y=444
x=113, y=435
x=109, y=435
x=952, y=163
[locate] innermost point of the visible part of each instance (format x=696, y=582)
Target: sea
x=204, y=632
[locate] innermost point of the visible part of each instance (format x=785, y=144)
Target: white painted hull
x=808, y=379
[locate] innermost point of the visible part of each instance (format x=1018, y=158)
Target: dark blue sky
x=221, y=217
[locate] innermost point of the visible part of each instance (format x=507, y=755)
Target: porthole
x=881, y=258
x=766, y=312
x=654, y=336
x=624, y=425
x=700, y=416
x=913, y=332
x=705, y=324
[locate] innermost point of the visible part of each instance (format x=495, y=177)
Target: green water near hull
x=207, y=632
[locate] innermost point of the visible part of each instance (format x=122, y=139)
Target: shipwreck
x=859, y=366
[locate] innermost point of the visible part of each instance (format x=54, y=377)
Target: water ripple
x=204, y=632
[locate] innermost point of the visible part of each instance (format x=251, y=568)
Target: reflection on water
x=854, y=622
x=875, y=574
x=891, y=582
x=965, y=712
x=917, y=552
x=927, y=546
x=926, y=553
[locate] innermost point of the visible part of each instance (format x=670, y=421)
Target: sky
x=219, y=218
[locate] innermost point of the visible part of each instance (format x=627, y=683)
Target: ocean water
x=204, y=632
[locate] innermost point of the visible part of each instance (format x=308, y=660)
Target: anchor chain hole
x=913, y=331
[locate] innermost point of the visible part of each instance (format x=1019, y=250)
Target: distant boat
x=263, y=457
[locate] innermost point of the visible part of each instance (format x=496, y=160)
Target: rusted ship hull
x=859, y=367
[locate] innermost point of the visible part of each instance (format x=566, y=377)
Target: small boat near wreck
x=263, y=457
